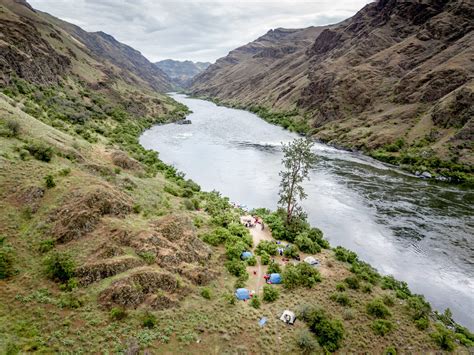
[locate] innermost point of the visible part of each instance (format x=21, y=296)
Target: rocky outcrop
x=181, y=72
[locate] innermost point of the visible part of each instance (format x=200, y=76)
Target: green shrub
x=306, y=342
x=274, y=268
x=148, y=256
x=198, y=222
x=382, y=326
x=291, y=252
x=40, y=151
x=13, y=128
x=270, y=293
x=6, y=259
x=390, y=351
x=172, y=190
x=316, y=235
x=217, y=236
x=265, y=258
x=206, y=293
x=59, y=266
x=300, y=275
x=340, y=287
x=149, y=320
x=69, y=285
x=118, y=313
x=418, y=307
x=422, y=323
x=341, y=298
x=230, y=298
x=343, y=254
x=306, y=245
x=49, y=181
x=352, y=282
x=377, y=309
x=366, y=288
x=188, y=204
x=443, y=337
x=255, y=302
x=348, y=314
x=65, y=172
x=46, y=245
x=400, y=287
x=388, y=300
x=365, y=272
x=267, y=247
x=252, y=261
x=329, y=332
x=196, y=203
x=241, y=281
x=137, y=208
x=236, y=267
x=234, y=248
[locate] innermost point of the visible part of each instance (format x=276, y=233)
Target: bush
x=13, y=127
x=365, y=272
x=118, y=313
x=149, y=320
x=316, y=235
x=291, y=252
x=306, y=342
x=230, y=298
x=40, y=151
x=237, y=268
x=366, y=288
x=59, y=266
x=270, y=248
x=148, y=256
x=255, y=302
x=329, y=332
x=206, y=293
x=343, y=254
x=340, y=287
x=422, y=323
x=217, y=236
x=252, y=261
x=306, y=245
x=69, y=285
x=46, y=245
x=377, y=309
x=341, y=298
x=390, y=351
x=64, y=172
x=382, y=326
x=388, y=300
x=6, y=259
x=265, y=258
x=400, y=288
x=352, y=282
x=49, y=181
x=189, y=205
x=274, y=268
x=234, y=248
x=70, y=300
x=300, y=275
x=241, y=281
x=418, y=307
x=348, y=314
x=270, y=293
x=443, y=337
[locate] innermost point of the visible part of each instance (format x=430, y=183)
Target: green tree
x=298, y=159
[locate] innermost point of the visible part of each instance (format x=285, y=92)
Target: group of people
x=253, y=221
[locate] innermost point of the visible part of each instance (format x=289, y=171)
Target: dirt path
x=256, y=273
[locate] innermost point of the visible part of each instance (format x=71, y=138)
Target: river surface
x=421, y=232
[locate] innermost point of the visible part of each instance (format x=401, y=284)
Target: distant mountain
x=181, y=71
x=398, y=72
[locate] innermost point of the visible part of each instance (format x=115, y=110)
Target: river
x=419, y=231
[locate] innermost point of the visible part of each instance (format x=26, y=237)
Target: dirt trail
x=256, y=273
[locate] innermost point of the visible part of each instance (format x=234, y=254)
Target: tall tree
x=297, y=161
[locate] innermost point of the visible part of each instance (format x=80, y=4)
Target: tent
x=311, y=261
x=274, y=279
x=246, y=255
x=242, y=294
x=288, y=317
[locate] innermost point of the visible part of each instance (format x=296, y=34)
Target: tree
x=297, y=161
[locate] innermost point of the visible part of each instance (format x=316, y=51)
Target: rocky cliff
x=181, y=72
x=396, y=72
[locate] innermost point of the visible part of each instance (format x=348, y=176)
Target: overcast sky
x=198, y=30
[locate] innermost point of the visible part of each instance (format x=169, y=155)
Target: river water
x=421, y=232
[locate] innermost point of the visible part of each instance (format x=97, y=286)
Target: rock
x=184, y=122
x=425, y=175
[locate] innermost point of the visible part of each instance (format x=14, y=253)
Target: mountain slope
x=181, y=72
x=46, y=48
x=395, y=80
x=270, y=70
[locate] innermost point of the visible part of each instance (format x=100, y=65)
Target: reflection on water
x=419, y=231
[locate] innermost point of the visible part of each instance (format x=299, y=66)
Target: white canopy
x=288, y=317
x=311, y=260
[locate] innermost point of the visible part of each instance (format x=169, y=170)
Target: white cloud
x=199, y=30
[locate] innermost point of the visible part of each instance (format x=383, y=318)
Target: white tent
x=288, y=317
x=311, y=261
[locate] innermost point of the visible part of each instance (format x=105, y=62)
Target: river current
x=420, y=231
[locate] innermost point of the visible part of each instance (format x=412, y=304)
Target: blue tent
x=246, y=255
x=274, y=279
x=242, y=294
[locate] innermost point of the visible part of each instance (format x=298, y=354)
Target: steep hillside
x=181, y=72
x=269, y=70
x=395, y=80
x=41, y=48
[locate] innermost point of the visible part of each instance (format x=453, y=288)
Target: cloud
x=199, y=30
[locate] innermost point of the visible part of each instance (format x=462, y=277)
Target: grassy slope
x=36, y=315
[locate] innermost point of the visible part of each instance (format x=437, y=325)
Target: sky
x=197, y=30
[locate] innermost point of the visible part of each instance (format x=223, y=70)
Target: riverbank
x=411, y=158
